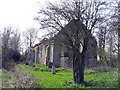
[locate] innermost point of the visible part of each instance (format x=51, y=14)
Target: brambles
x=20, y=79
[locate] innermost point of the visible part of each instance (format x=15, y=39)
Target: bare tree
x=119, y=39
x=10, y=46
x=30, y=36
x=15, y=41
x=5, y=44
x=114, y=29
x=107, y=39
x=83, y=15
x=0, y=55
x=102, y=35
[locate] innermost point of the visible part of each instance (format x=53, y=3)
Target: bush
x=9, y=57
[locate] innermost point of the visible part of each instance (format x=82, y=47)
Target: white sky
x=20, y=13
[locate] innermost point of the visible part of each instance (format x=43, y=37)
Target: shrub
x=9, y=57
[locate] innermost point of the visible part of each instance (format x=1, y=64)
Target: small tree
x=10, y=47
x=30, y=36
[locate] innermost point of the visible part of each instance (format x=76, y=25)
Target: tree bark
x=79, y=63
x=119, y=44
x=74, y=68
x=76, y=59
x=82, y=60
x=78, y=67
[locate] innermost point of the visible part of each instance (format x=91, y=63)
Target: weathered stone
x=50, y=65
x=26, y=63
x=31, y=63
x=53, y=69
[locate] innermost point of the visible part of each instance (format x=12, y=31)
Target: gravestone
x=26, y=63
x=50, y=65
x=31, y=63
x=53, y=69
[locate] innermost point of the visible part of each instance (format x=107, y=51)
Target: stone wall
x=51, y=50
x=91, y=54
x=30, y=56
x=56, y=55
x=66, y=58
x=61, y=56
x=44, y=53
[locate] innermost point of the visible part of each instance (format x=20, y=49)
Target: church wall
x=57, y=55
x=51, y=52
x=66, y=58
x=91, y=54
x=62, y=56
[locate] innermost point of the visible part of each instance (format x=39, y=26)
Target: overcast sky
x=20, y=13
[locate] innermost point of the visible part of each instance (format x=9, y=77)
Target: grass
x=0, y=79
x=98, y=78
x=20, y=79
x=102, y=78
x=46, y=77
x=2, y=76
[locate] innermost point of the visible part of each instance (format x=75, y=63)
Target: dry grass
x=20, y=79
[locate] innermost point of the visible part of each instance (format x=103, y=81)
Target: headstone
x=26, y=63
x=31, y=63
x=50, y=65
x=53, y=69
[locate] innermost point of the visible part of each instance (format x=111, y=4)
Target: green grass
x=99, y=78
x=2, y=76
x=102, y=78
x=46, y=77
x=0, y=79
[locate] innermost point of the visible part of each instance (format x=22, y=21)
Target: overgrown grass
x=98, y=78
x=20, y=79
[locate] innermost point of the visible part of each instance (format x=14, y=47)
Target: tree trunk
x=119, y=43
x=78, y=68
x=74, y=68
x=76, y=64
x=79, y=63
x=82, y=60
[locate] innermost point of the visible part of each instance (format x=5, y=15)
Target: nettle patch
x=20, y=79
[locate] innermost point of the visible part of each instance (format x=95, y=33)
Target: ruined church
x=49, y=50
